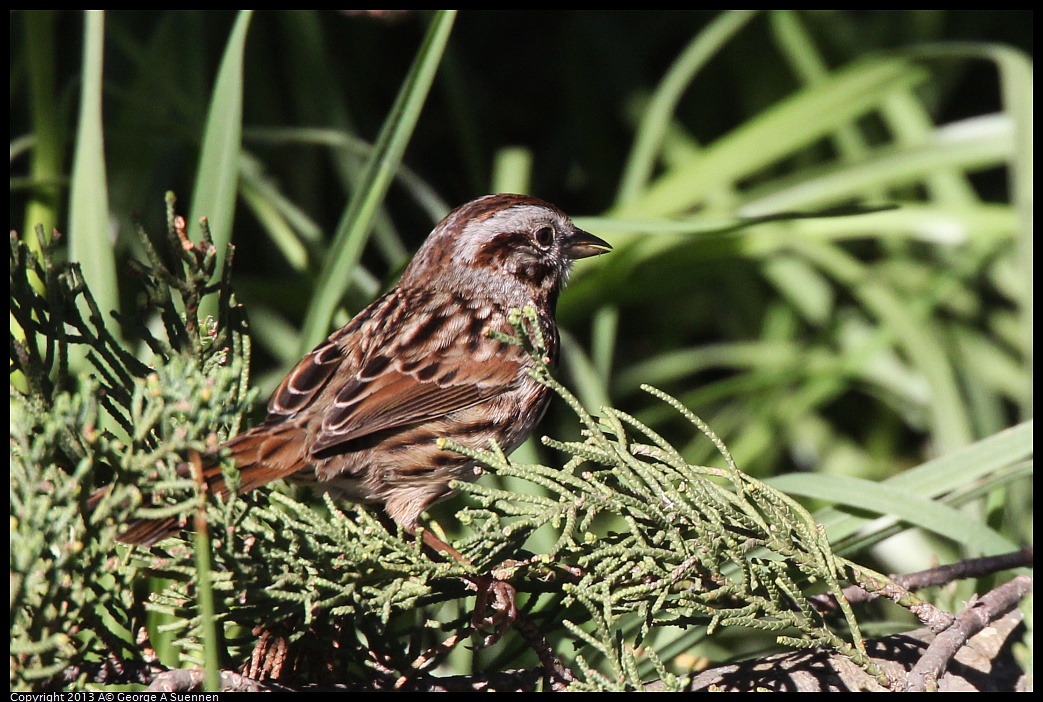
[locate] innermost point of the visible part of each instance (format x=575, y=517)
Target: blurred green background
x=829, y=349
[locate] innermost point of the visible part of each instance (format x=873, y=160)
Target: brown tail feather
x=142, y=532
x=253, y=453
x=147, y=532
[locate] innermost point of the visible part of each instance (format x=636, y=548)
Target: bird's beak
x=584, y=245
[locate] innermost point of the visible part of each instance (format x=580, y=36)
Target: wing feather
x=389, y=369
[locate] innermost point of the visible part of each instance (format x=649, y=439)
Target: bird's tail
x=260, y=457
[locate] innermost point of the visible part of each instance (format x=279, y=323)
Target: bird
x=362, y=414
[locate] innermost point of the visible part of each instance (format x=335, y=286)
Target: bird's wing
x=412, y=361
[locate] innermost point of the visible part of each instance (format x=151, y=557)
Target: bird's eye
x=544, y=236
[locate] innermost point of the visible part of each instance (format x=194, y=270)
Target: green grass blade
x=796, y=122
x=353, y=230
x=801, y=52
x=207, y=611
x=46, y=166
x=346, y=146
x=939, y=476
x=289, y=228
x=217, y=175
x=912, y=331
x=905, y=115
x=318, y=98
x=512, y=170
x=90, y=241
x=660, y=111
x=972, y=145
x=900, y=502
x=589, y=384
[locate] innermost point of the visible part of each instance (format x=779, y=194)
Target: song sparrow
x=361, y=414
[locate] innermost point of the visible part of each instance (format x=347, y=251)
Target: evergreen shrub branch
x=702, y=545
x=128, y=423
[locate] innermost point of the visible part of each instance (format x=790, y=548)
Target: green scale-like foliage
x=73, y=611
